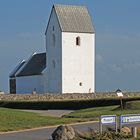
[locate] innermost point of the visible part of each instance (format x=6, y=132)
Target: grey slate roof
x=74, y=18
x=13, y=73
x=34, y=66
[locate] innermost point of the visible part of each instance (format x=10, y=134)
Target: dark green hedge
x=69, y=105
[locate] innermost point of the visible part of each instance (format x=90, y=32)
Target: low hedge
x=69, y=105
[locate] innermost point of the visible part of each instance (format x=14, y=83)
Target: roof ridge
x=17, y=68
x=69, y=5
x=26, y=62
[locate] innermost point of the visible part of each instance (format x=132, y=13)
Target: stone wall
x=53, y=97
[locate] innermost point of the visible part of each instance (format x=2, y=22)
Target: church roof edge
x=73, y=18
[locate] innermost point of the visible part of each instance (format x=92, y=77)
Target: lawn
x=97, y=111
x=133, y=105
x=12, y=119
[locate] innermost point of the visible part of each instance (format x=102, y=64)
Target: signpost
x=108, y=120
x=120, y=95
x=124, y=120
x=129, y=119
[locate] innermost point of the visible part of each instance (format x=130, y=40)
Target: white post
x=116, y=125
x=134, y=132
x=100, y=127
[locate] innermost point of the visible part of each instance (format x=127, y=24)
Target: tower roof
x=74, y=18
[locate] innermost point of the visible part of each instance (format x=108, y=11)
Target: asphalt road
x=45, y=133
x=54, y=113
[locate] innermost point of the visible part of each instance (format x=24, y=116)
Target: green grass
x=108, y=110
x=11, y=119
x=97, y=111
x=133, y=105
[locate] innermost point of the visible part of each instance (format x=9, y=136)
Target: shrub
x=63, y=104
x=108, y=135
x=70, y=104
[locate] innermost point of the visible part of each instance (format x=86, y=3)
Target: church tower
x=70, y=50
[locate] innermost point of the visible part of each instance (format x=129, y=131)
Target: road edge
x=45, y=127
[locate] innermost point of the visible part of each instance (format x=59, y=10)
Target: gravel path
x=54, y=113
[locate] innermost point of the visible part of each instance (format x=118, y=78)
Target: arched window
x=53, y=63
x=53, y=40
x=80, y=84
x=78, y=41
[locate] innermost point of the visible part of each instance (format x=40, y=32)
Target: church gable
x=53, y=22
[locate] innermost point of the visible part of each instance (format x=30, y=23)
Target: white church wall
x=78, y=69
x=27, y=84
x=53, y=56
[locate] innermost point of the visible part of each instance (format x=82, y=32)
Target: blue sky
x=117, y=24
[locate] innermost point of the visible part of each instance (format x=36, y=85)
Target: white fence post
x=134, y=132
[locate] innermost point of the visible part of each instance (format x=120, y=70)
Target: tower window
x=80, y=84
x=53, y=40
x=53, y=63
x=53, y=28
x=78, y=41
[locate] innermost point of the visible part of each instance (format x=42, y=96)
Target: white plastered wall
x=78, y=63
x=53, y=77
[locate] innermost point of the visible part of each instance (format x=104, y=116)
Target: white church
x=68, y=65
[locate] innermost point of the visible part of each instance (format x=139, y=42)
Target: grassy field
x=97, y=111
x=133, y=105
x=109, y=110
x=11, y=119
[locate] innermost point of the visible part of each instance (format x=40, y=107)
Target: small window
x=53, y=40
x=80, y=84
x=53, y=63
x=78, y=41
x=53, y=28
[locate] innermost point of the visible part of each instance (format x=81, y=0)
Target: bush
x=71, y=104
x=108, y=135
x=63, y=104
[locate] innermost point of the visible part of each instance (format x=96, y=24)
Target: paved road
x=43, y=134
x=54, y=113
